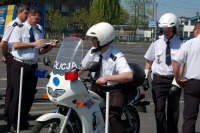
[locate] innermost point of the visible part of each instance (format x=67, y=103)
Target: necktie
x=97, y=74
x=32, y=38
x=168, y=54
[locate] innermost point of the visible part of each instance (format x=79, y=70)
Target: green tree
x=107, y=9
x=84, y=19
x=123, y=17
x=139, y=11
x=55, y=22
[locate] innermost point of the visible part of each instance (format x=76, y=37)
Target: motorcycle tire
x=50, y=126
x=131, y=120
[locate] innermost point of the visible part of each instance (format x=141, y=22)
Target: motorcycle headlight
x=50, y=90
x=56, y=93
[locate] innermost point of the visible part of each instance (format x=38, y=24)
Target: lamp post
x=197, y=13
x=153, y=17
x=144, y=10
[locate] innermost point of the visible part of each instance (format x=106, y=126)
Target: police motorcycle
x=80, y=110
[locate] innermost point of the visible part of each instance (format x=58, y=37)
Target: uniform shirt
x=113, y=62
x=21, y=34
x=157, y=54
x=9, y=29
x=189, y=53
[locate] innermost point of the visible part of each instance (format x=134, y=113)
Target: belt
x=164, y=76
x=29, y=62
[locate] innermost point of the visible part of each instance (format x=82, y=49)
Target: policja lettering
x=63, y=66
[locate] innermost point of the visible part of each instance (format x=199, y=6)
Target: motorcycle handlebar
x=104, y=87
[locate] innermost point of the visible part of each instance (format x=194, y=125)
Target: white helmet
x=168, y=20
x=103, y=31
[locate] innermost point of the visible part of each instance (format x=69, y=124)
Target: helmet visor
x=91, y=38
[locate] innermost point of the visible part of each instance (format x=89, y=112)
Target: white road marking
x=41, y=112
x=38, y=103
x=3, y=78
x=36, y=87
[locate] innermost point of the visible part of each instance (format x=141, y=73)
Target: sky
x=186, y=8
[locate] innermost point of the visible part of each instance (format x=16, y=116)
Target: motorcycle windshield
x=69, y=55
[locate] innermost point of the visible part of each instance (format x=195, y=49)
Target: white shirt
x=189, y=53
x=21, y=34
x=8, y=30
x=157, y=54
x=110, y=66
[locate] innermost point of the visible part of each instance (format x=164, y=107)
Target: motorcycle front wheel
x=50, y=126
x=131, y=120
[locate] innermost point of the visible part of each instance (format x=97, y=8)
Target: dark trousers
x=191, y=105
x=116, y=107
x=166, y=123
x=8, y=95
x=28, y=92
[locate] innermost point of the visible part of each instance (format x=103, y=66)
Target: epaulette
x=37, y=27
x=15, y=24
x=94, y=50
x=20, y=25
x=113, y=57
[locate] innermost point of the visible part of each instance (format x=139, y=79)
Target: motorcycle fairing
x=69, y=55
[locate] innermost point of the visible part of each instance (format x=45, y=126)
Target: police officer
x=114, y=69
x=159, y=57
x=26, y=39
x=190, y=55
x=22, y=14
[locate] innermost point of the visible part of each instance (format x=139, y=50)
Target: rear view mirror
x=41, y=73
x=94, y=66
x=46, y=61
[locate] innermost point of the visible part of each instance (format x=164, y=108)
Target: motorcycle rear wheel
x=50, y=126
x=131, y=120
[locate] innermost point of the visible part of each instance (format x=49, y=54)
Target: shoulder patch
x=20, y=25
x=15, y=24
x=113, y=57
x=37, y=27
x=94, y=50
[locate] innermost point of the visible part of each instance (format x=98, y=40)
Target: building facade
x=66, y=7
x=188, y=26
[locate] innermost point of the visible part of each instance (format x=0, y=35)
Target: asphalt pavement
x=134, y=53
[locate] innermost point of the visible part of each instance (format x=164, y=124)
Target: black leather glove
x=145, y=84
x=173, y=90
